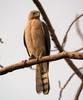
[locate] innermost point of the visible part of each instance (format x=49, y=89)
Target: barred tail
x=42, y=79
x=39, y=86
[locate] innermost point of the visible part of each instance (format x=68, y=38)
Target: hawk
x=37, y=43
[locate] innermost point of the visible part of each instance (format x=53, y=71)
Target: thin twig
x=64, y=86
x=78, y=30
x=78, y=50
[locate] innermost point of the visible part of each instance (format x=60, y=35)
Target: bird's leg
x=39, y=56
x=31, y=57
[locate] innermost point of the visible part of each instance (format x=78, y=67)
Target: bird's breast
x=36, y=24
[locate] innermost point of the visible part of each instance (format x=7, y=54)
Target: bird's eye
x=33, y=13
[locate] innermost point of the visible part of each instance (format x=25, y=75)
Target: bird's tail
x=42, y=79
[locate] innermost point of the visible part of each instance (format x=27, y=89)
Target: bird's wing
x=47, y=38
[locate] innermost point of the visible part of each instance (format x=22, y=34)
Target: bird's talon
x=31, y=57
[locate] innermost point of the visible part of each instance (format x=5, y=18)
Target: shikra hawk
x=37, y=43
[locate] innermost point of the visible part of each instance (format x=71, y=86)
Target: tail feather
x=42, y=79
x=39, y=83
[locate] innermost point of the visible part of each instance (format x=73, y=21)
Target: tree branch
x=55, y=39
x=78, y=30
x=26, y=63
x=79, y=91
x=80, y=49
x=66, y=83
x=64, y=86
x=80, y=34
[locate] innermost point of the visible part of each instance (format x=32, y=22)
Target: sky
x=20, y=84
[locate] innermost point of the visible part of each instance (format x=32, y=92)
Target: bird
x=37, y=42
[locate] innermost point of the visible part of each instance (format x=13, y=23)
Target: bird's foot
x=31, y=57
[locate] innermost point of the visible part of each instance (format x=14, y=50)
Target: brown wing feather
x=47, y=38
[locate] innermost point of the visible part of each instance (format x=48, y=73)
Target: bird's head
x=34, y=14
